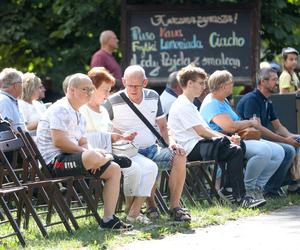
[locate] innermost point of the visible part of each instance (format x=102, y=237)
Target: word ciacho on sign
x=224, y=37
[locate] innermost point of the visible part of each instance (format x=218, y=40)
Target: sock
x=107, y=219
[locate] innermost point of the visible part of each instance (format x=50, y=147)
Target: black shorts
x=71, y=165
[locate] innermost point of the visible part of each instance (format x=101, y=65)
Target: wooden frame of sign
x=165, y=38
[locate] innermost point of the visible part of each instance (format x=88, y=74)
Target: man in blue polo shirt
x=258, y=103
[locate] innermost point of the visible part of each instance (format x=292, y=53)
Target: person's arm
x=163, y=127
x=230, y=126
x=206, y=132
x=61, y=140
x=283, y=132
x=283, y=90
x=31, y=125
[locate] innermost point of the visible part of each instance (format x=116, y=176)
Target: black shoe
x=122, y=160
x=296, y=191
x=274, y=195
x=226, y=195
x=249, y=202
x=115, y=224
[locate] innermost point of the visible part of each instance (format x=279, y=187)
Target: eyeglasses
x=201, y=83
x=88, y=90
x=133, y=86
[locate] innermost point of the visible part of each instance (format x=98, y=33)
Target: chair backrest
x=34, y=151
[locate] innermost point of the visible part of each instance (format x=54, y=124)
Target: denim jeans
x=163, y=157
x=277, y=180
x=264, y=158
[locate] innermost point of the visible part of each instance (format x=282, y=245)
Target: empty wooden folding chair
x=20, y=191
x=201, y=181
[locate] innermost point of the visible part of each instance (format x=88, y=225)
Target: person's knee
x=290, y=151
x=179, y=161
x=278, y=154
x=260, y=151
x=92, y=159
x=112, y=172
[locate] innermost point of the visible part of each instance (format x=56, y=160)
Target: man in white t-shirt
x=63, y=145
x=124, y=119
x=202, y=143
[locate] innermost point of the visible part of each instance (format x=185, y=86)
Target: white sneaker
x=143, y=219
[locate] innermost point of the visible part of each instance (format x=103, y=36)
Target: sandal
x=152, y=213
x=179, y=214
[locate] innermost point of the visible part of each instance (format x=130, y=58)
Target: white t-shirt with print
x=60, y=116
x=183, y=116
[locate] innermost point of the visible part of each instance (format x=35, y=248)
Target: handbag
x=124, y=147
x=249, y=133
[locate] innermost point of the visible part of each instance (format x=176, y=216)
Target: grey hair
x=218, y=78
x=264, y=74
x=30, y=84
x=76, y=79
x=10, y=76
x=172, y=81
x=105, y=36
x=135, y=69
x=65, y=83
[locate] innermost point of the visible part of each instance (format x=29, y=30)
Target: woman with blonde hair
x=31, y=85
x=263, y=157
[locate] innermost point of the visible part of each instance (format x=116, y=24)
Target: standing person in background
x=104, y=58
x=288, y=80
x=171, y=92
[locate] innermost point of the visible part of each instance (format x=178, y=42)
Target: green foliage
x=280, y=25
x=56, y=38
x=53, y=38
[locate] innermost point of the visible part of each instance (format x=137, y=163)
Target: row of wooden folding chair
x=79, y=185
x=8, y=143
x=199, y=185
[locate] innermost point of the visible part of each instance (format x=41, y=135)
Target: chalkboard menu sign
x=163, y=39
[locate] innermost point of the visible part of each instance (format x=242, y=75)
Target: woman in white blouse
x=31, y=86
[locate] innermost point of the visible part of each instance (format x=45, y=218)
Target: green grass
x=90, y=237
